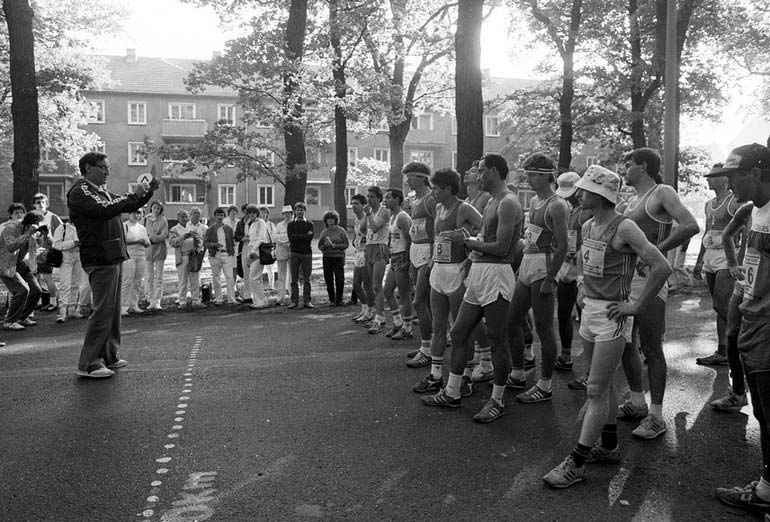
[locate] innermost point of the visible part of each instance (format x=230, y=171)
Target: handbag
x=52, y=257
x=196, y=260
x=267, y=252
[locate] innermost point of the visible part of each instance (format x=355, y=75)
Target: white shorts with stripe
x=487, y=281
x=596, y=326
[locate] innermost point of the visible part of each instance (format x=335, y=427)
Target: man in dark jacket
x=95, y=212
x=300, y=233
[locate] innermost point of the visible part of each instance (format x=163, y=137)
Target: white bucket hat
x=599, y=180
x=286, y=208
x=566, y=183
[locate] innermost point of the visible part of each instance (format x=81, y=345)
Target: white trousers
x=187, y=280
x=133, y=274
x=255, y=283
x=73, y=281
x=154, y=290
x=222, y=263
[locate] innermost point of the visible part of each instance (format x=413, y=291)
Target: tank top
x=489, y=234
x=577, y=218
x=421, y=230
x=756, y=263
x=607, y=272
x=397, y=240
x=359, y=229
x=444, y=249
x=655, y=231
x=381, y=236
x=716, y=221
x=538, y=237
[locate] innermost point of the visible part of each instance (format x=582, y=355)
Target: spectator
x=18, y=237
x=264, y=214
x=300, y=232
x=232, y=221
x=257, y=235
x=219, y=242
x=45, y=272
x=157, y=231
x=184, y=240
x=282, y=254
x=333, y=242
x=72, y=279
x=137, y=241
x=241, y=236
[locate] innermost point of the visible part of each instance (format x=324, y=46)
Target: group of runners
x=479, y=275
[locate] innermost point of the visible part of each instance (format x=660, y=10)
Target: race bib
x=419, y=232
x=751, y=266
x=442, y=250
x=592, y=253
x=572, y=241
x=712, y=239
x=532, y=235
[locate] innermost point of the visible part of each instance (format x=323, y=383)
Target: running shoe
x=376, y=327
x=491, y=411
x=441, y=399
x=529, y=364
x=577, y=384
x=562, y=364
x=481, y=374
x=357, y=318
x=650, y=428
x=366, y=318
x=418, y=361
x=630, y=412
x=97, y=373
x=309, y=305
x=466, y=387
x=715, y=359
x=393, y=331
x=601, y=454
x=565, y=474
x=515, y=384
x=411, y=353
x=28, y=322
x=428, y=384
x=120, y=363
x=535, y=394
x=745, y=498
x=730, y=401
x=402, y=335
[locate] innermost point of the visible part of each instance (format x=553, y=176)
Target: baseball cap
x=601, y=181
x=745, y=157
x=286, y=208
x=566, y=183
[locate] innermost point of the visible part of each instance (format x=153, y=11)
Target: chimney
x=131, y=54
x=486, y=74
x=216, y=54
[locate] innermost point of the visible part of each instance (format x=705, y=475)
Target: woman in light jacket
x=281, y=241
x=133, y=267
x=264, y=214
x=257, y=236
x=73, y=281
x=157, y=230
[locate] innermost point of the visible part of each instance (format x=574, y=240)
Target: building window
x=265, y=156
x=382, y=155
x=491, y=127
x=182, y=194
x=454, y=126
x=423, y=122
x=54, y=191
x=99, y=147
x=226, y=114
x=137, y=113
x=226, y=195
x=423, y=156
x=265, y=195
x=454, y=159
x=352, y=156
x=181, y=111
x=312, y=195
x=317, y=156
x=349, y=193
x=136, y=153
x=97, y=112
x=592, y=160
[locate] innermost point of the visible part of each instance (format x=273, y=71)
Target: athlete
x=712, y=261
x=362, y=283
x=611, y=244
x=489, y=291
x=655, y=209
x=398, y=273
x=748, y=172
x=545, y=248
x=376, y=253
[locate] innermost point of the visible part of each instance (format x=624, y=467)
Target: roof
x=155, y=75
x=496, y=87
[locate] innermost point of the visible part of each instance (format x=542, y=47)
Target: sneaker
x=466, y=387
x=376, y=327
x=393, y=331
x=198, y=306
x=217, y=303
x=628, y=411
x=562, y=364
x=577, y=384
x=156, y=308
x=309, y=305
x=135, y=311
x=731, y=401
x=60, y=319
x=514, y=384
x=255, y=306
x=529, y=364
x=745, y=498
x=411, y=353
x=98, y=373
x=357, y=318
x=402, y=335
x=601, y=454
x=28, y=322
x=49, y=308
x=481, y=374
x=418, y=361
x=441, y=399
x=715, y=359
x=491, y=411
x=291, y=305
x=367, y=318
x=565, y=474
x=428, y=384
x=120, y=363
x=535, y=394
x=650, y=428
x=12, y=326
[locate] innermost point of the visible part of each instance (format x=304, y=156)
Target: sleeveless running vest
x=397, y=240
x=359, y=228
x=756, y=263
x=381, y=236
x=538, y=237
x=716, y=221
x=421, y=230
x=444, y=249
x=489, y=235
x=607, y=272
x=577, y=218
x=655, y=231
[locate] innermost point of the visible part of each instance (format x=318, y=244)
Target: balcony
x=183, y=131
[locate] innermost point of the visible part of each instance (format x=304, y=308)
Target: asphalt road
x=236, y=415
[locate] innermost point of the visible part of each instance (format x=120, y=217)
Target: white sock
x=497, y=393
x=637, y=399
x=657, y=410
x=453, y=385
x=544, y=384
x=425, y=347
x=436, y=363
x=397, y=318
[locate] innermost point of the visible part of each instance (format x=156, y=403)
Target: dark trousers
x=334, y=275
x=566, y=296
x=25, y=292
x=300, y=265
x=102, y=338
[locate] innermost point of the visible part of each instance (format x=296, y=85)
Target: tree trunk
x=637, y=98
x=340, y=116
x=24, y=107
x=293, y=136
x=396, y=139
x=469, y=103
x=568, y=88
